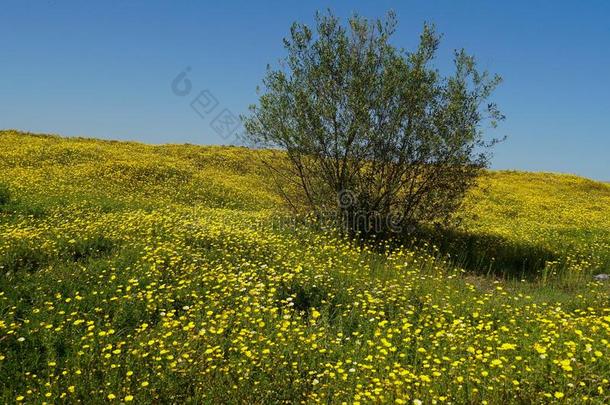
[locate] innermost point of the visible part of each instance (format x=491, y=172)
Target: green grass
x=160, y=274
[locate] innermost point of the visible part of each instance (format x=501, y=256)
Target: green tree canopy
x=369, y=131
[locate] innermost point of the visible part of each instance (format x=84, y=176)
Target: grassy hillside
x=142, y=273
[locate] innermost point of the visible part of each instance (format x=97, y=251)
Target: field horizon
x=220, y=145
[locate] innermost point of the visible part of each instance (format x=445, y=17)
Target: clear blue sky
x=105, y=69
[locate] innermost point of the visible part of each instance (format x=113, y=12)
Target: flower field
x=163, y=274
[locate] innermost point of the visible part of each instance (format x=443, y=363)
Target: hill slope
x=142, y=273
x=514, y=214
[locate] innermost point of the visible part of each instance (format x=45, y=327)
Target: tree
x=369, y=132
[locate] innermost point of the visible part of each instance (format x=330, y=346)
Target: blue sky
x=105, y=69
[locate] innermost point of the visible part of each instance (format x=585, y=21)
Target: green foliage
x=22, y=256
x=5, y=194
x=355, y=115
x=87, y=247
x=139, y=285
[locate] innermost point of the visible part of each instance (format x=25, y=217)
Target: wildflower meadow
x=134, y=273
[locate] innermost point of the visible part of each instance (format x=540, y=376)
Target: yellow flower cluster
x=133, y=273
x=566, y=216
